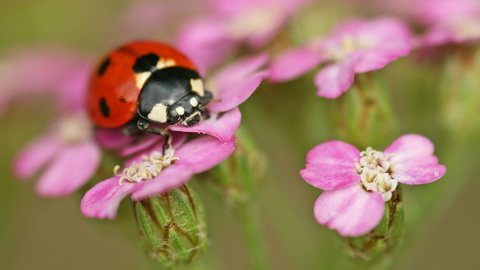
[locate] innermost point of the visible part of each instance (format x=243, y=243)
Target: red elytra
x=115, y=87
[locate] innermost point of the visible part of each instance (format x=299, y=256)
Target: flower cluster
x=230, y=43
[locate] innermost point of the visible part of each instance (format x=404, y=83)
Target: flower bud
x=173, y=226
x=373, y=247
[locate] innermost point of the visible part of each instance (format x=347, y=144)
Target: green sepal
x=173, y=226
x=374, y=248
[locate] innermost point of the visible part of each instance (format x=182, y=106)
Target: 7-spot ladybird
x=146, y=82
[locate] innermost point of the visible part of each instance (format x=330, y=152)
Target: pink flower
x=24, y=72
x=68, y=153
x=151, y=173
x=449, y=21
x=233, y=85
x=67, y=150
x=358, y=183
x=148, y=18
x=356, y=46
x=210, y=39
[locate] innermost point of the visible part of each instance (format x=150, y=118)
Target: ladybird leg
x=143, y=126
x=167, y=144
x=131, y=129
x=207, y=97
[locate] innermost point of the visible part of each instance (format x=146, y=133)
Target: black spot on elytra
x=103, y=67
x=122, y=99
x=104, y=107
x=146, y=63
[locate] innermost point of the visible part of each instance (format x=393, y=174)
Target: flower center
x=75, y=129
x=149, y=167
x=467, y=28
x=254, y=22
x=374, y=170
x=339, y=49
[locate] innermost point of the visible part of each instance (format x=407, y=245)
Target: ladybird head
x=172, y=95
x=186, y=110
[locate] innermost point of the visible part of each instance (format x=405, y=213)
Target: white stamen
x=374, y=170
x=150, y=167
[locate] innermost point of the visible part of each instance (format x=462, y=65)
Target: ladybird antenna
x=203, y=108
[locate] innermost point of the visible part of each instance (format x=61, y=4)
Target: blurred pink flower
x=150, y=173
x=233, y=85
x=68, y=153
x=153, y=18
x=358, y=183
x=210, y=39
x=27, y=71
x=449, y=21
x=356, y=46
x=67, y=150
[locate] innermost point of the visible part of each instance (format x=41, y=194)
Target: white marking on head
x=190, y=117
x=141, y=78
x=197, y=86
x=158, y=113
x=180, y=110
x=193, y=102
x=163, y=63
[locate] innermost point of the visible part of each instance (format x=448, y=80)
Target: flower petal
x=205, y=42
x=143, y=142
x=409, y=146
x=328, y=177
x=293, y=63
x=331, y=165
x=70, y=169
x=413, y=161
x=334, y=153
x=171, y=177
x=377, y=59
x=204, y=153
x=415, y=173
x=240, y=70
x=220, y=125
x=103, y=199
x=237, y=82
x=335, y=79
x=351, y=211
x=234, y=95
x=112, y=138
x=36, y=155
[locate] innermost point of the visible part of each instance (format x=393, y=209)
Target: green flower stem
x=247, y=214
x=459, y=93
x=364, y=114
x=238, y=180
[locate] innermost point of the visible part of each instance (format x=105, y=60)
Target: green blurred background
x=442, y=219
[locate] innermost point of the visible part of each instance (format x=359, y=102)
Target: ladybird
x=146, y=82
